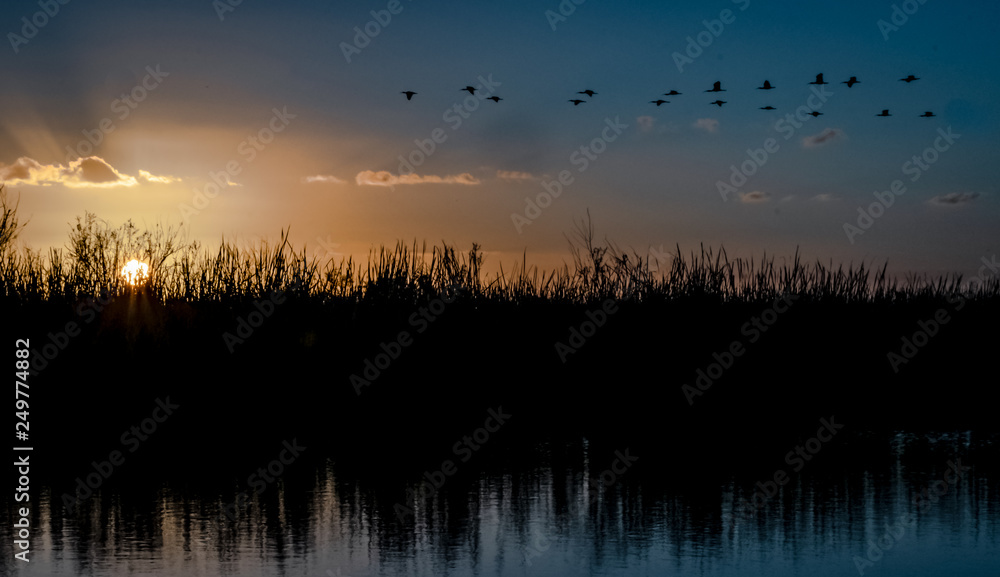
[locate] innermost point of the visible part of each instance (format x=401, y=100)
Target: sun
x=135, y=272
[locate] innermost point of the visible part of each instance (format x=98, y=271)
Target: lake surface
x=566, y=507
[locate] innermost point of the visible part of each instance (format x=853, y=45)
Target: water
x=529, y=509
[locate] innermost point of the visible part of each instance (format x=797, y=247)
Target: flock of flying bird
x=716, y=87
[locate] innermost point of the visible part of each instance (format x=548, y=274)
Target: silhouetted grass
x=495, y=345
x=95, y=253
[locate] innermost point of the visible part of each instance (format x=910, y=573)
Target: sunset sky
x=289, y=117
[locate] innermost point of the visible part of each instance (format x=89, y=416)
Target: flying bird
x=815, y=113
x=495, y=98
x=577, y=102
x=851, y=81
x=717, y=87
x=909, y=79
x=768, y=108
x=719, y=103
x=659, y=102
x=671, y=93
x=927, y=114
x=884, y=113
x=409, y=94
x=766, y=86
x=470, y=89
x=588, y=92
x=819, y=79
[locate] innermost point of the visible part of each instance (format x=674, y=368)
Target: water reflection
x=543, y=513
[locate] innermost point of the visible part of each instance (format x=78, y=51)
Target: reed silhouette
x=493, y=343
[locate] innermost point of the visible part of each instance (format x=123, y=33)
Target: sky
x=238, y=119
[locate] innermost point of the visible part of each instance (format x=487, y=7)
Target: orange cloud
x=90, y=172
x=754, y=197
x=385, y=178
x=322, y=178
x=514, y=175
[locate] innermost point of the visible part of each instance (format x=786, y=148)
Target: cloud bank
x=89, y=172
x=386, y=178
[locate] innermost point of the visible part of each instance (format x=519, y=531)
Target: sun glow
x=135, y=272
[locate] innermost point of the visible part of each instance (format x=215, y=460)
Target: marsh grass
x=95, y=252
x=500, y=337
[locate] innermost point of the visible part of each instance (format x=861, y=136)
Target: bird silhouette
x=815, y=113
x=851, y=81
x=884, y=113
x=659, y=102
x=588, y=92
x=671, y=93
x=766, y=86
x=768, y=108
x=717, y=87
x=577, y=102
x=909, y=79
x=927, y=114
x=495, y=98
x=719, y=103
x=470, y=89
x=409, y=94
x=819, y=79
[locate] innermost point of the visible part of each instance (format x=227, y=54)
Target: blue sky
x=332, y=171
